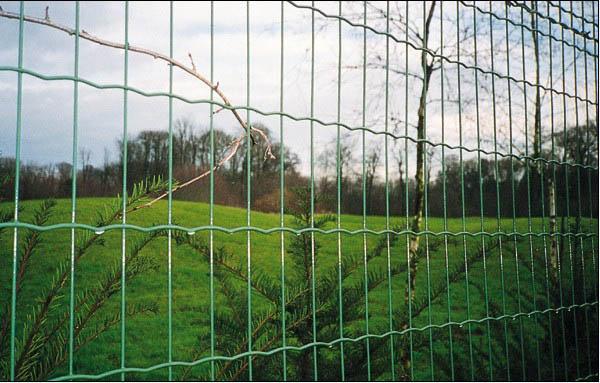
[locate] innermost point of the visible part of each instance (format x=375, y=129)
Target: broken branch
x=156, y=55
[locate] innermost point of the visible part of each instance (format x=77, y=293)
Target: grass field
x=146, y=335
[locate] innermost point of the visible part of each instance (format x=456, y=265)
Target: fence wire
x=489, y=300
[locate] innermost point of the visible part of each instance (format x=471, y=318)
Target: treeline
x=510, y=193
x=508, y=186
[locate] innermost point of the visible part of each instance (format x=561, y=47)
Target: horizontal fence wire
x=296, y=118
x=313, y=344
x=99, y=230
x=534, y=318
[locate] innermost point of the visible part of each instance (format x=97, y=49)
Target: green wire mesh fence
x=464, y=248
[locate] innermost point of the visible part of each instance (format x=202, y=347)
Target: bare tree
x=418, y=38
x=373, y=160
x=399, y=157
x=84, y=158
x=419, y=199
x=537, y=145
x=328, y=160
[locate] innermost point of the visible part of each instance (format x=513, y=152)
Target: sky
x=48, y=106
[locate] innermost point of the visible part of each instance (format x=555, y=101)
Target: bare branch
x=87, y=36
x=382, y=66
x=233, y=148
x=156, y=55
x=192, y=61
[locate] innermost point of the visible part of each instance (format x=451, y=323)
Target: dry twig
x=233, y=148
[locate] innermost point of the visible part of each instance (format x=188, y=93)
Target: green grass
x=146, y=338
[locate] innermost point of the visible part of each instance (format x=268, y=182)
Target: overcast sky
x=48, y=105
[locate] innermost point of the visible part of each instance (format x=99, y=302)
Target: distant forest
x=147, y=157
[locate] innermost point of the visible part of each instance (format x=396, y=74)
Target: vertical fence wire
x=511, y=140
x=567, y=188
x=589, y=172
x=248, y=195
x=74, y=190
x=558, y=250
x=170, y=206
x=387, y=194
x=582, y=212
x=13, y=298
x=528, y=175
x=282, y=199
x=591, y=225
x=313, y=260
x=548, y=272
x=338, y=175
x=481, y=212
x=407, y=359
x=578, y=218
x=426, y=80
x=462, y=197
x=445, y=200
x=212, y=193
x=364, y=189
x=498, y=206
x=124, y=190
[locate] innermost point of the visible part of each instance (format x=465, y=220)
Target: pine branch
x=259, y=281
x=110, y=214
x=30, y=243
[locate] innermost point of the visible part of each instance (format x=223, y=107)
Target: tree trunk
x=537, y=153
x=552, y=216
x=419, y=199
x=400, y=186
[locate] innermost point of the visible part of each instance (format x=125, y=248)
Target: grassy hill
x=508, y=263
